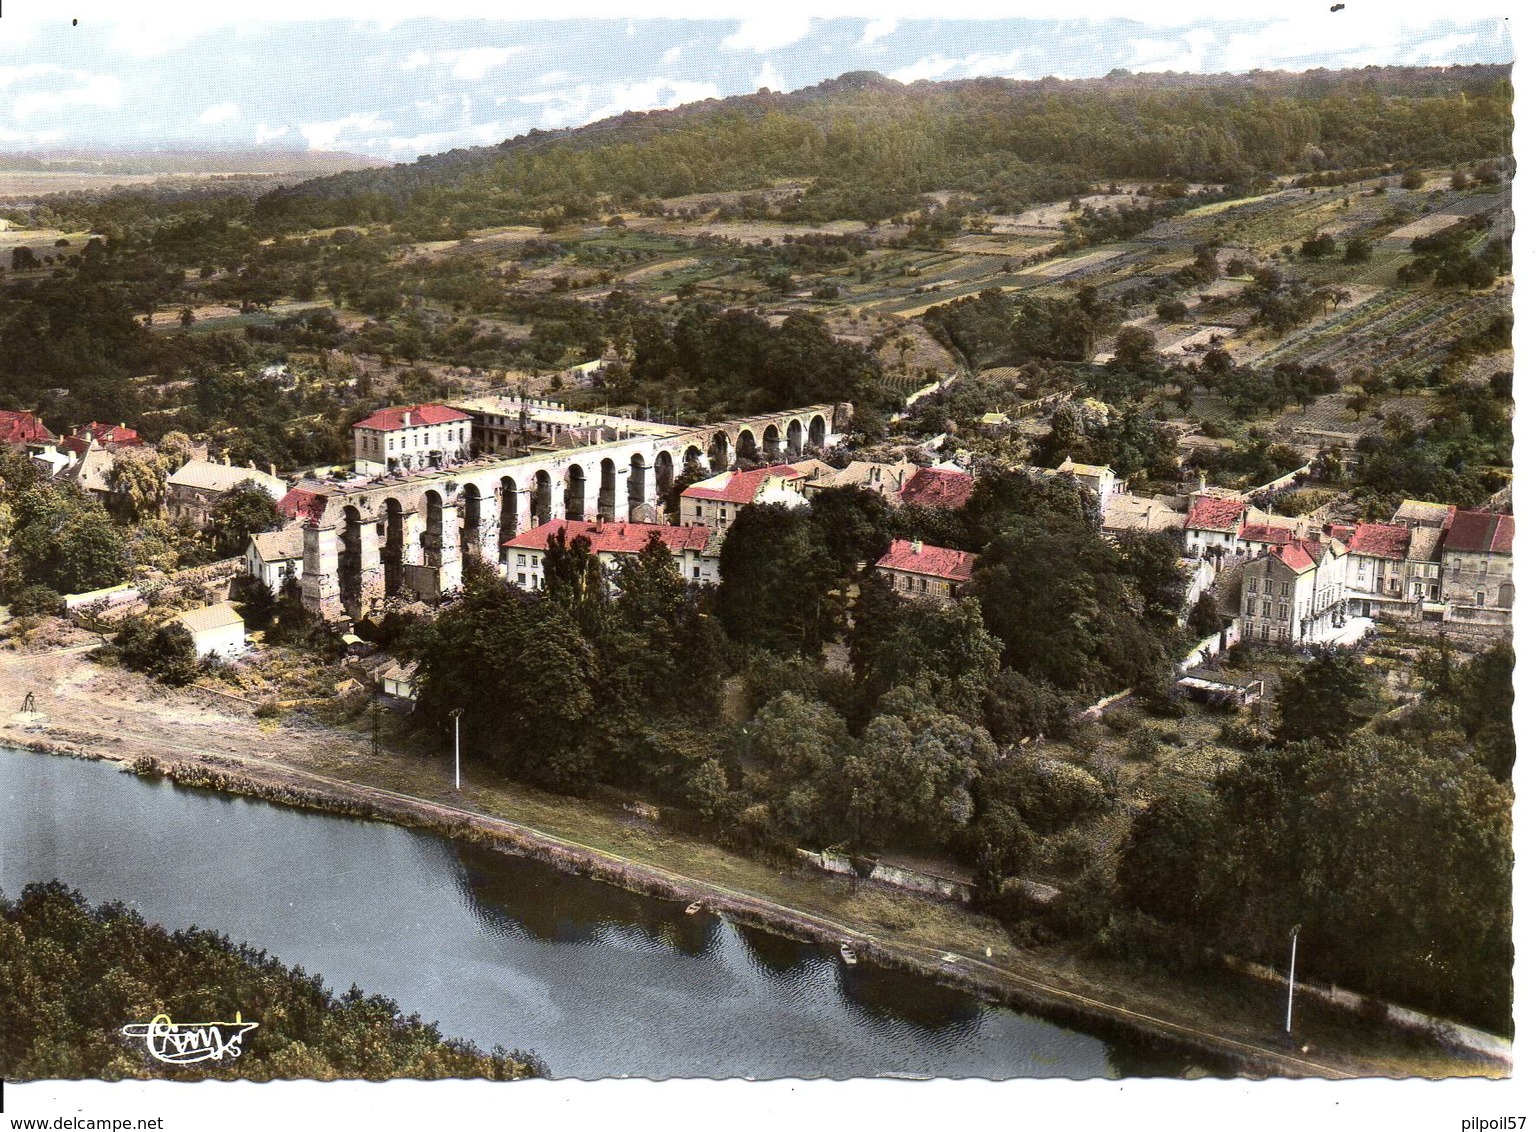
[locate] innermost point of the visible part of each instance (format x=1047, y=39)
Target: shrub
x=164, y=652
x=30, y=601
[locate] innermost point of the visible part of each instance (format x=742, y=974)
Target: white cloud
x=928, y=67
x=223, y=112
x=876, y=30
x=764, y=33
x=266, y=133
x=671, y=55
x=327, y=135
x=578, y=105
x=768, y=77
x=1187, y=53
x=97, y=90
x=470, y=64
x=10, y=76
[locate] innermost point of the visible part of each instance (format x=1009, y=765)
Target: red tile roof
x=21, y=427
x=741, y=487
x=1258, y=532
x=933, y=561
x=120, y=435
x=613, y=537
x=1380, y=540
x=1207, y=513
x=388, y=420
x=302, y=503
x=1480, y=532
x=1296, y=555
x=932, y=487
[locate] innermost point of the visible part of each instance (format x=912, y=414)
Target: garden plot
x=1330, y=416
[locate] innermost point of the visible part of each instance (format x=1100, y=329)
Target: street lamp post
x=1290, y=994
x=456, y=712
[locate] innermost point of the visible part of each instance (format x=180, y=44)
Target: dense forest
x=71, y=976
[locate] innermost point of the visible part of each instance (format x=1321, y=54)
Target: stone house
x=716, y=501
x=273, y=557
x=1477, y=566
x=1293, y=594
x=217, y=630
x=193, y=490
x=919, y=571
x=1378, y=567
x=1212, y=524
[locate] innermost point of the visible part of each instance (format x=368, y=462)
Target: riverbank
x=199, y=741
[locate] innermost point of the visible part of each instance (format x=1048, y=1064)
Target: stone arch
x=469, y=529
x=665, y=473
x=349, y=560
x=607, y=489
x=773, y=448
x=746, y=447
x=543, y=498
x=575, y=492
x=719, y=452
x=432, y=537
x=393, y=553
x=506, y=525
x=693, y=459
x=818, y=437
x=637, y=484
x=796, y=436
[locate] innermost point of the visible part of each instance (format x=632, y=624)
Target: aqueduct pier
x=409, y=535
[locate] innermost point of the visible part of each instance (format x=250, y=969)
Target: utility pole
x=458, y=711
x=1290, y=994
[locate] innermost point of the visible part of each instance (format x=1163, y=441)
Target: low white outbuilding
x=216, y=630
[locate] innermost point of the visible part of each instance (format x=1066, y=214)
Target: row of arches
x=384, y=552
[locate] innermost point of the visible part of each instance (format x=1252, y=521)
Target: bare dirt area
x=87, y=709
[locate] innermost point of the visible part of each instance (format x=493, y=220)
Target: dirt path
x=106, y=712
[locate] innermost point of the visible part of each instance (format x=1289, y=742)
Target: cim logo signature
x=186, y=1043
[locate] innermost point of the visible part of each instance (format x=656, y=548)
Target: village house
x=1378, y=559
x=1212, y=524
x=1422, y=568
x=91, y=472
x=21, y=427
x=947, y=488
x=715, y=502
x=406, y=437
x=1477, y=566
x=108, y=436
x=217, y=630
x=919, y=571
x=1260, y=532
x=1415, y=513
x=1293, y=594
x=1098, y=480
x=1147, y=513
x=273, y=557
x=885, y=480
x=195, y=488
x=695, y=549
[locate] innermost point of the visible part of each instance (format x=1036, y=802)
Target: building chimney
x=407, y=418
x=272, y=470
x=226, y=459
x=917, y=548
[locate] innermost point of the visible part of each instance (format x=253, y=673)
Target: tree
x=137, y=481
x=241, y=512
x=64, y=540
x=164, y=651
x=532, y=710
x=1331, y=697
x=795, y=752
x=1135, y=347
x=853, y=525
x=1357, y=250
x=776, y=577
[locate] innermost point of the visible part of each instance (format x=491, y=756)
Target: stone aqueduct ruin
x=403, y=536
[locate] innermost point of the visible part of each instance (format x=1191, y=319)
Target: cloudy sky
x=316, y=76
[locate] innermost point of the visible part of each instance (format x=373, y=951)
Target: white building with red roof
x=22, y=427
x=938, y=487
x=1378, y=566
x=407, y=437
x=715, y=502
x=695, y=550
x=1293, y=593
x=1213, y=524
x=916, y=570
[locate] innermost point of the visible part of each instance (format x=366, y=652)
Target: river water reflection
x=598, y=981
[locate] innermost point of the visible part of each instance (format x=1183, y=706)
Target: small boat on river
x=848, y=956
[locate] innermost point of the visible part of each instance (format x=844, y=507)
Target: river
x=598, y=981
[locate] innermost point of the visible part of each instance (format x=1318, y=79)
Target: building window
x=695, y=571
x=1269, y=586
x=522, y=579
x=909, y=582
x=924, y=582
x=522, y=560
x=1253, y=585
x=1252, y=603
x=1267, y=609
